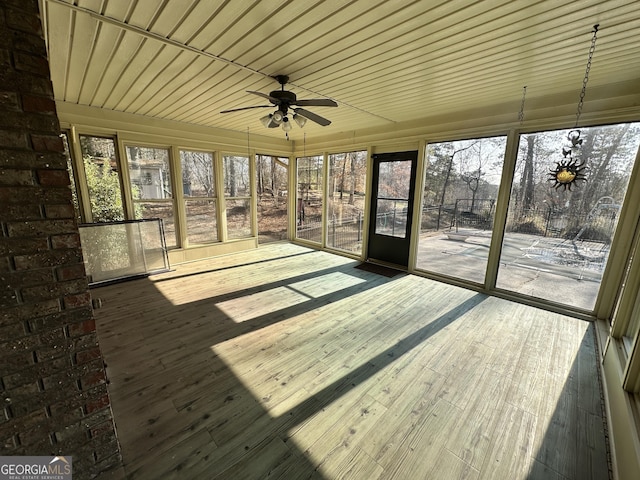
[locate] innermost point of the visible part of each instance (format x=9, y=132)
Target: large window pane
x=198, y=186
x=162, y=210
x=201, y=221
x=236, y=176
x=273, y=191
x=558, y=234
x=197, y=174
x=309, y=199
x=237, y=189
x=151, y=187
x=347, y=187
x=238, y=218
x=460, y=190
x=103, y=182
x=150, y=173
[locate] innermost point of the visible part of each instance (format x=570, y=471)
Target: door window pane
x=392, y=179
x=391, y=218
x=460, y=189
x=103, y=182
x=309, y=199
x=272, y=180
x=347, y=188
x=558, y=234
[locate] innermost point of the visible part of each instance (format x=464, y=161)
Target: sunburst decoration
x=570, y=170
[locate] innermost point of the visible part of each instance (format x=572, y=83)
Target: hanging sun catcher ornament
x=571, y=169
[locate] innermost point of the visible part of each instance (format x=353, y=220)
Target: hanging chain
x=248, y=146
x=521, y=113
x=586, y=74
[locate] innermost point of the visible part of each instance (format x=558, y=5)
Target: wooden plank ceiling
x=385, y=62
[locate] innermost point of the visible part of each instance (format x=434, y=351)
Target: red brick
x=31, y=103
x=30, y=278
x=20, y=212
x=47, y=143
x=9, y=101
x=16, y=177
x=93, y=380
x=41, y=228
x=23, y=21
x=82, y=328
x=31, y=310
x=97, y=404
x=104, y=427
x=52, y=258
x=85, y=356
x=71, y=240
x=36, y=64
x=30, y=159
x=34, y=195
x=13, y=139
x=53, y=290
x=70, y=272
x=55, y=178
x=60, y=211
x=76, y=301
x=22, y=246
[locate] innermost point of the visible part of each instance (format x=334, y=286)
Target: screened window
x=345, y=200
x=561, y=222
x=460, y=191
x=272, y=179
x=237, y=192
x=198, y=186
x=309, y=198
x=103, y=180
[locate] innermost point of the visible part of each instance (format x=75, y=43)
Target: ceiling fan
x=285, y=100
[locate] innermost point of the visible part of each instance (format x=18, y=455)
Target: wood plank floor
x=285, y=362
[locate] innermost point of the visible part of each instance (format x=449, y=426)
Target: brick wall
x=53, y=389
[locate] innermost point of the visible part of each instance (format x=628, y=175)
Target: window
x=272, y=180
x=103, y=180
x=198, y=187
x=309, y=199
x=237, y=192
x=558, y=235
x=460, y=190
x=345, y=200
x=151, y=187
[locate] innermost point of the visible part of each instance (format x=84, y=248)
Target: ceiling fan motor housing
x=282, y=96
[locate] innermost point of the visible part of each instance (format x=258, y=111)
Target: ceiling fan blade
x=246, y=108
x=316, y=102
x=264, y=95
x=312, y=116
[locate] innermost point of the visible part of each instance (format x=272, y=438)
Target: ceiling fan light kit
x=285, y=100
